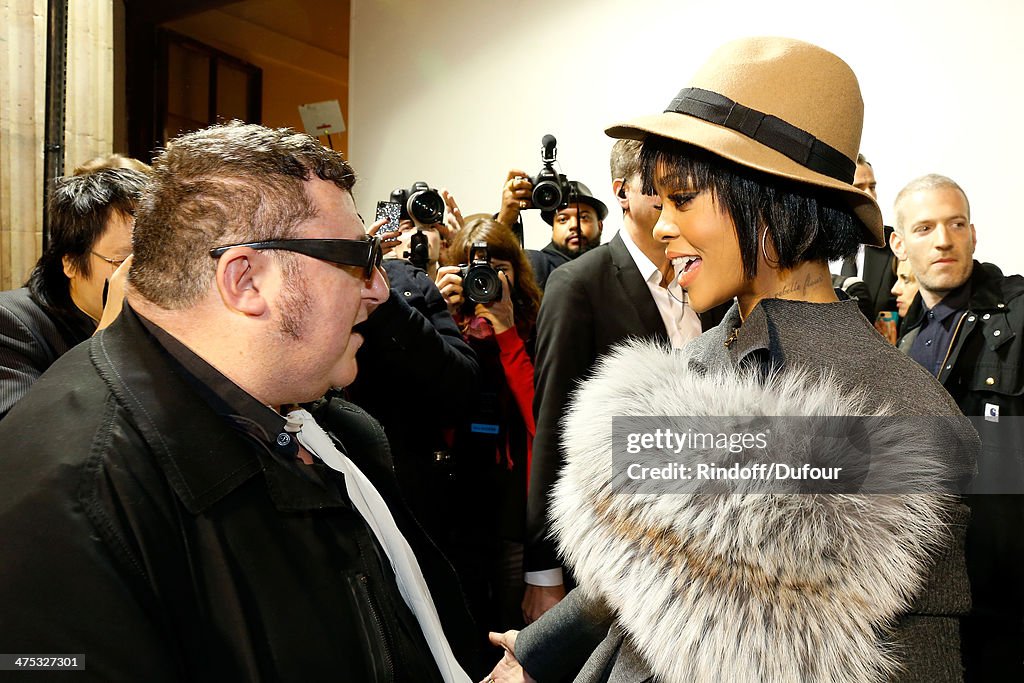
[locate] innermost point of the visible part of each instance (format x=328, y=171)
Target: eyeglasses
x=112, y=261
x=364, y=252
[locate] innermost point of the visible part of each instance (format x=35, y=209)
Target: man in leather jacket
x=190, y=531
x=966, y=326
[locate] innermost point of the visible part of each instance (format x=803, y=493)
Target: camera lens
x=481, y=284
x=427, y=207
x=547, y=195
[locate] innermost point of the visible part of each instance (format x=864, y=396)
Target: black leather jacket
x=167, y=546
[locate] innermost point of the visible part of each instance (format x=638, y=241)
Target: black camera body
x=550, y=188
x=419, y=250
x=420, y=203
x=480, y=281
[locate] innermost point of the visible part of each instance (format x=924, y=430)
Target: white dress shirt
x=681, y=322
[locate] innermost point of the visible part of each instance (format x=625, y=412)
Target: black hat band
x=770, y=131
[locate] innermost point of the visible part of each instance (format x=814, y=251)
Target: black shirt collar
x=239, y=408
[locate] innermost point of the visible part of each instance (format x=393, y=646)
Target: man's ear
x=240, y=277
x=619, y=190
x=69, y=267
x=974, y=239
x=897, y=246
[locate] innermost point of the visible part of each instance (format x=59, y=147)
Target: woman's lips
x=686, y=268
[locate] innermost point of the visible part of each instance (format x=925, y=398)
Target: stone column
x=22, y=81
x=88, y=116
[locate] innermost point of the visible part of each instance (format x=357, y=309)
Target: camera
x=420, y=203
x=419, y=250
x=550, y=188
x=480, y=282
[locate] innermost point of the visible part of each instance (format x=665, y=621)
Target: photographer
x=413, y=350
x=575, y=227
x=419, y=241
x=493, y=443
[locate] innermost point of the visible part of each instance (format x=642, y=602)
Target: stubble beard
x=296, y=303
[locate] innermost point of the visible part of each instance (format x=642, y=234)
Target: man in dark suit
x=621, y=289
x=874, y=265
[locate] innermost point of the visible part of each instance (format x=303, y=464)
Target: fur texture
x=756, y=587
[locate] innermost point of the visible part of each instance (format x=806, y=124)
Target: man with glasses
x=198, y=524
x=90, y=234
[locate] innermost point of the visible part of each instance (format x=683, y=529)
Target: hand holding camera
x=515, y=196
x=449, y=281
x=478, y=283
x=499, y=311
x=548, y=190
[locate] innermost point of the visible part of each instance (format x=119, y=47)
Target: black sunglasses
x=364, y=252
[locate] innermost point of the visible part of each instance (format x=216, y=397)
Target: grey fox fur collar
x=745, y=588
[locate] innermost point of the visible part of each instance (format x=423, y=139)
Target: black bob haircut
x=804, y=222
x=79, y=208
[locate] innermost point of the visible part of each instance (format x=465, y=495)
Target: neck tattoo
x=799, y=287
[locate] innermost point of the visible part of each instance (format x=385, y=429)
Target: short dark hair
x=77, y=214
x=804, y=222
x=228, y=183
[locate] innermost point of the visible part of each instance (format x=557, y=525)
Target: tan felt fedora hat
x=778, y=105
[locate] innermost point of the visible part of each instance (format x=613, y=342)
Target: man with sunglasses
x=90, y=234
x=198, y=524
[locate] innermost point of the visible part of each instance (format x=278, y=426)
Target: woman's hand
x=449, y=281
x=508, y=670
x=388, y=240
x=499, y=312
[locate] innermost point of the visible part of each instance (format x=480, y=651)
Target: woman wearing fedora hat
x=764, y=578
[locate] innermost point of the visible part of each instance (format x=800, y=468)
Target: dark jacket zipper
x=363, y=582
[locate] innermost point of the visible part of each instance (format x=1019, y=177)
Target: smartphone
x=391, y=211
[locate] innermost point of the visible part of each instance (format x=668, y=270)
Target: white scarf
x=369, y=503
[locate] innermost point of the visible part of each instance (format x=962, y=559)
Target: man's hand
x=508, y=670
x=453, y=220
x=115, y=294
x=539, y=599
x=515, y=196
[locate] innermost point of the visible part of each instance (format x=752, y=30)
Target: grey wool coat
x=771, y=585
